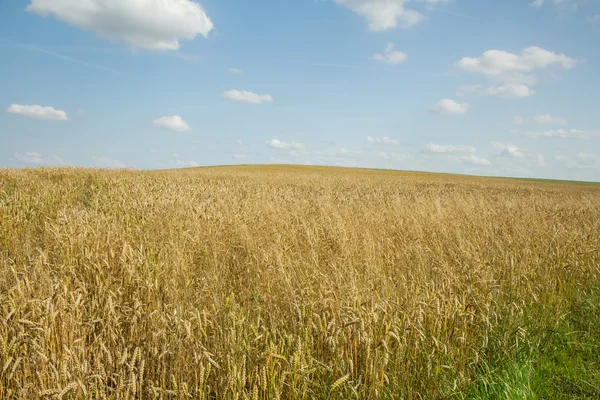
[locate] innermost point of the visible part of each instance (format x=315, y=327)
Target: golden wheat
x=276, y=282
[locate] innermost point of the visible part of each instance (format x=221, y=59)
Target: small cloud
x=239, y=142
x=494, y=63
x=518, y=120
x=474, y=160
x=382, y=140
x=174, y=123
x=152, y=151
x=464, y=89
x=448, y=106
x=507, y=150
x=38, y=112
x=239, y=156
x=537, y=3
x=29, y=157
x=588, y=159
x=247, y=97
x=192, y=163
x=58, y=160
x=80, y=111
x=594, y=18
x=235, y=71
x=582, y=160
x=550, y=120
x=448, y=149
x=104, y=162
x=383, y=15
x=511, y=90
x=277, y=144
x=390, y=56
x=558, y=133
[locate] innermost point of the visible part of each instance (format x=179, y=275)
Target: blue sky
x=483, y=87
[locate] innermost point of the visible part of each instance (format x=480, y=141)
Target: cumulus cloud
x=38, y=112
x=383, y=14
x=148, y=24
x=390, y=56
x=247, y=97
x=104, y=162
x=474, y=160
x=235, y=71
x=498, y=62
x=507, y=150
x=511, y=90
x=558, y=133
x=449, y=149
x=279, y=145
x=448, y=106
x=550, y=119
x=382, y=140
x=174, y=123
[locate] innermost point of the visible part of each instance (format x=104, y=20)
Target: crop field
x=281, y=282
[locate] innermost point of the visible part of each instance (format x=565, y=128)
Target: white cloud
x=58, y=160
x=537, y=3
x=277, y=144
x=588, y=159
x=174, y=123
x=382, y=140
x=390, y=56
x=383, y=14
x=511, y=90
x=37, y=158
x=103, y=162
x=239, y=156
x=449, y=149
x=474, y=160
x=508, y=150
x=558, y=133
x=594, y=18
x=247, y=97
x=235, y=71
x=38, y=112
x=29, y=157
x=149, y=24
x=582, y=160
x=518, y=120
x=549, y=119
x=448, y=106
x=192, y=163
x=468, y=89
x=497, y=62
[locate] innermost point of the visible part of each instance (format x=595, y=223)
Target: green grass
x=559, y=358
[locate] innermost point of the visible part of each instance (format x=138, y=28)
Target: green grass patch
x=559, y=360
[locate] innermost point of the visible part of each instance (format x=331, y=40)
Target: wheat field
x=273, y=282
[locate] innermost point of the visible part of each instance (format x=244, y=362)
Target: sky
x=481, y=87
